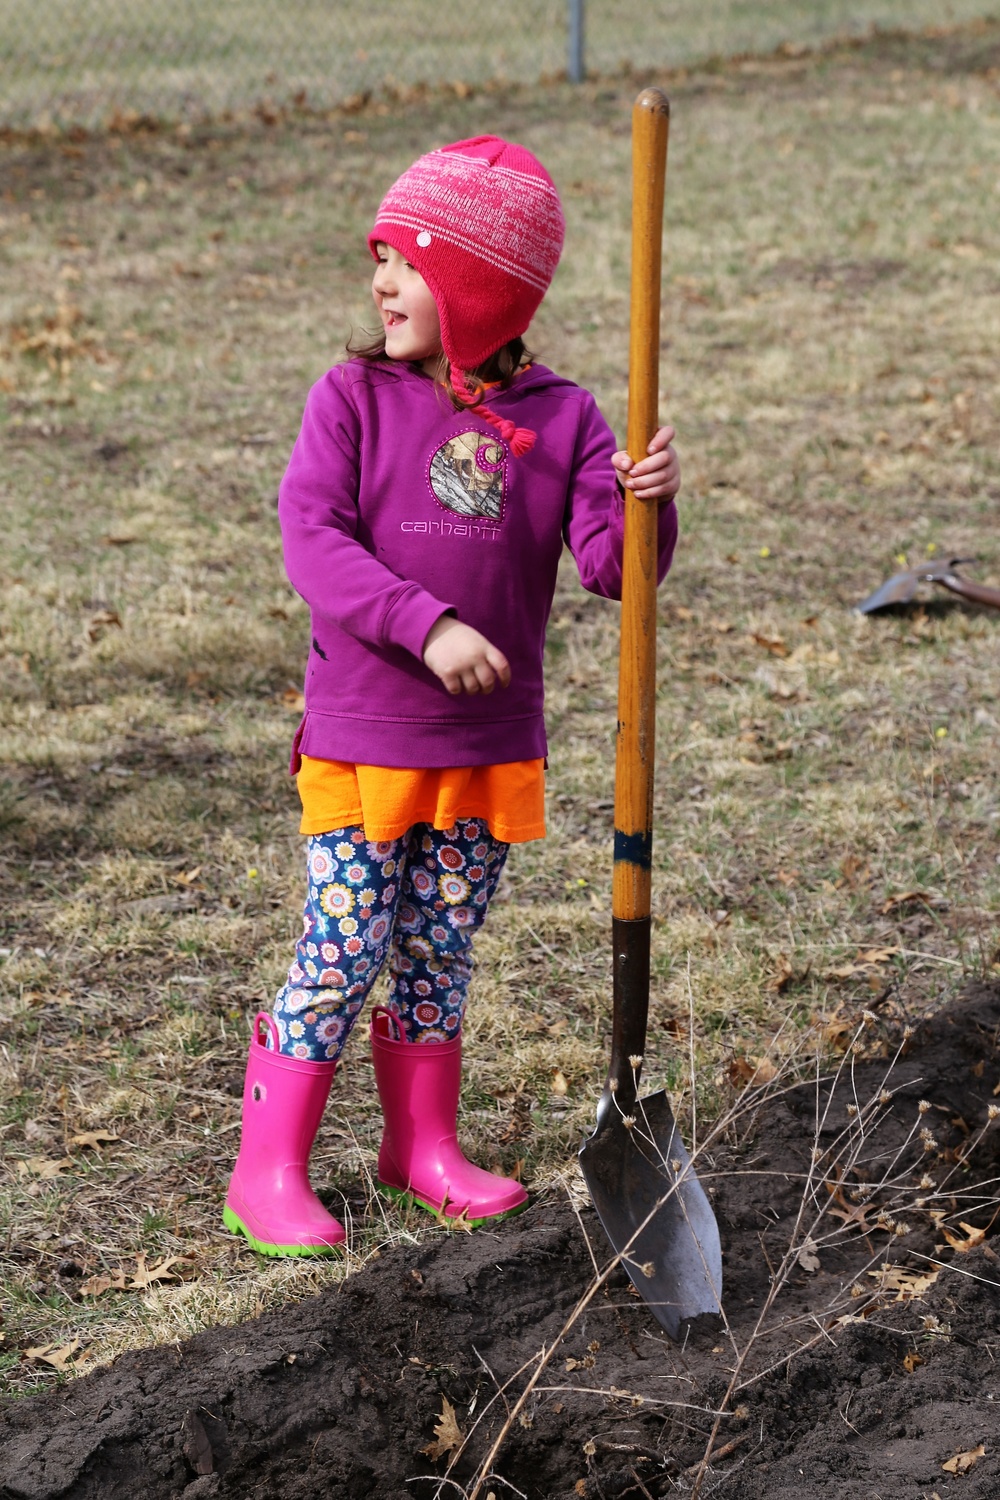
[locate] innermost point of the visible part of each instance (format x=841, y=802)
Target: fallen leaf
x=64, y=1357
x=772, y=643
x=783, y=974
x=559, y=1084
x=102, y=621
x=750, y=1070
x=974, y=1237
x=96, y=1286
x=864, y=959
x=807, y=1257
x=911, y=1361
x=43, y=1167
x=963, y=1462
x=855, y=870
x=906, y=898
x=458, y=1222
x=94, y=1138
x=908, y=1285
x=447, y=1433
x=838, y=1031
x=148, y=1276
x=851, y=1213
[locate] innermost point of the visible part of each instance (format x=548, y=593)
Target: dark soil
x=838, y=1395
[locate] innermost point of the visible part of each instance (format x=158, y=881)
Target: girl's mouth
x=394, y=319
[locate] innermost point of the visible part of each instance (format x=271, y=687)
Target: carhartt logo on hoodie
x=467, y=475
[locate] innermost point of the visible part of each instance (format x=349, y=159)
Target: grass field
x=84, y=62
x=827, y=796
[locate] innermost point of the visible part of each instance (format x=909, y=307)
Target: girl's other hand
x=658, y=475
x=464, y=660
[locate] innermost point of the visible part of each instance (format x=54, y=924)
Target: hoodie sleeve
x=595, y=513
x=326, y=562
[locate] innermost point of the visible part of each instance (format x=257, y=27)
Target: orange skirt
x=388, y=800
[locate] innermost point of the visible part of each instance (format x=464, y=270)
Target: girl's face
x=408, y=311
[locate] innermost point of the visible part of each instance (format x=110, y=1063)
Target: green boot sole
x=238, y=1227
x=407, y=1197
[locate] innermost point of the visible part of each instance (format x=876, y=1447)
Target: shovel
x=901, y=587
x=648, y=1198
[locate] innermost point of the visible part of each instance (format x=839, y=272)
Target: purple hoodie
x=396, y=509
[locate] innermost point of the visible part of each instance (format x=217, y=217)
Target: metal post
x=576, y=65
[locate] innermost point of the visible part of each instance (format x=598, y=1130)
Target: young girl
x=437, y=475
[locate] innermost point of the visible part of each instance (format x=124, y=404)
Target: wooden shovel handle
x=635, y=746
x=637, y=659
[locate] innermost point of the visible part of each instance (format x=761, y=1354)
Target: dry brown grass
x=831, y=327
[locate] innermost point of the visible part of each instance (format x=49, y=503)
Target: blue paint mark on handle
x=634, y=848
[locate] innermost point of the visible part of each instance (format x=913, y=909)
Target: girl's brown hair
x=499, y=369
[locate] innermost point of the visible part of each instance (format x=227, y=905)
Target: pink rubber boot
x=269, y=1199
x=418, y=1085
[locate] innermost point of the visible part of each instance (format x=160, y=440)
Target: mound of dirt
x=860, y=1357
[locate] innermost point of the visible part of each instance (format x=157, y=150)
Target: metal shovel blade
x=901, y=587
x=655, y=1211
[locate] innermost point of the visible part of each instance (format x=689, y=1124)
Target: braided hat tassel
x=520, y=440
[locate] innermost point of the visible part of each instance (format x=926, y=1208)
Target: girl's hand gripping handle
x=658, y=475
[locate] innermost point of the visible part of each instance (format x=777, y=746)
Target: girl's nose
x=383, y=282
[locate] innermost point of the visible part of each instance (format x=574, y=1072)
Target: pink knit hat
x=482, y=223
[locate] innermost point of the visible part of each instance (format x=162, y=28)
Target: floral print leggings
x=416, y=900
